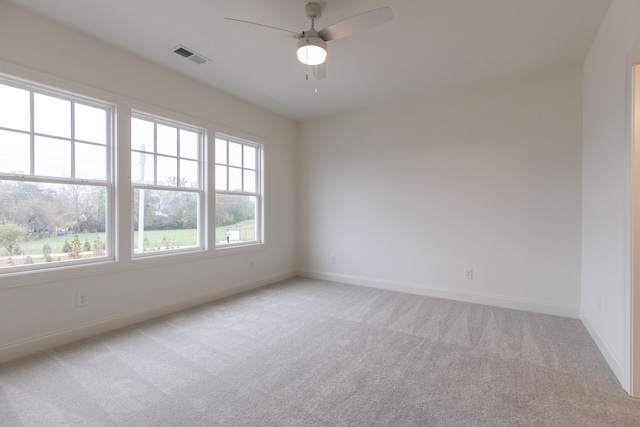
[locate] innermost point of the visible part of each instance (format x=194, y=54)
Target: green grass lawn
x=34, y=247
x=168, y=239
x=173, y=238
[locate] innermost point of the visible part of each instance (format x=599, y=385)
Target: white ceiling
x=429, y=46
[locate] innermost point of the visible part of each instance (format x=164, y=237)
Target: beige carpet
x=314, y=353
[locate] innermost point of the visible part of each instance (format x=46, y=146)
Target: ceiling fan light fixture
x=312, y=50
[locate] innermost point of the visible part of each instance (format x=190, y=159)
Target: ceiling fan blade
x=356, y=23
x=280, y=31
x=320, y=71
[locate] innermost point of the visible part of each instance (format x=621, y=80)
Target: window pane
x=249, y=157
x=14, y=152
x=189, y=173
x=51, y=222
x=235, y=154
x=249, y=181
x=189, y=144
x=15, y=111
x=52, y=157
x=235, y=179
x=221, y=151
x=221, y=177
x=91, y=124
x=167, y=140
x=142, y=168
x=235, y=218
x=142, y=135
x=166, y=219
x=167, y=171
x=91, y=161
x=52, y=116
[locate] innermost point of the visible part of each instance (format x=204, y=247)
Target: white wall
x=407, y=195
x=39, y=311
x=605, y=181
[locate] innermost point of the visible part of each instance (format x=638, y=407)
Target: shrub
x=166, y=243
x=11, y=234
x=98, y=246
x=75, y=247
x=46, y=250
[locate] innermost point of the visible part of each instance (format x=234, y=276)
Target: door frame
x=634, y=246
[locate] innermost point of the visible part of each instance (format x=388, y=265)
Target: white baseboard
x=29, y=346
x=614, y=362
x=452, y=294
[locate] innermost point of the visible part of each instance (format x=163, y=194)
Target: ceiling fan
x=312, y=44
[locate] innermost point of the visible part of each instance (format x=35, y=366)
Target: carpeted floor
x=312, y=353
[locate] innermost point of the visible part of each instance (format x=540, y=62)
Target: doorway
x=635, y=236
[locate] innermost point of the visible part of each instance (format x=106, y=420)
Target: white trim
x=625, y=371
x=108, y=182
x=542, y=307
x=616, y=365
x=155, y=153
x=259, y=186
x=25, y=347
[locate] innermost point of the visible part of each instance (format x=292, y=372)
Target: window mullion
x=155, y=153
x=165, y=188
x=32, y=129
x=178, y=177
x=228, y=165
x=242, y=167
x=73, y=140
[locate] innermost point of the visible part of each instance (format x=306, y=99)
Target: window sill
x=239, y=248
x=54, y=274
x=34, y=277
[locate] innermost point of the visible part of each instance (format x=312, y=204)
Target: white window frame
x=258, y=193
x=32, y=177
x=200, y=190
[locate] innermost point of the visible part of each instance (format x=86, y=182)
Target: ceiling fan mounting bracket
x=313, y=10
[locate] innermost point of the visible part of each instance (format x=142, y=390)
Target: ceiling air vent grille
x=190, y=55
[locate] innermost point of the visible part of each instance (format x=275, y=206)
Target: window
x=168, y=189
x=55, y=178
x=238, y=192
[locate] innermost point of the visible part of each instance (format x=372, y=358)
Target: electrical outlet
x=468, y=273
x=332, y=259
x=81, y=299
x=251, y=265
x=599, y=304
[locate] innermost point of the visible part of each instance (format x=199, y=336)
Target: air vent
x=190, y=55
